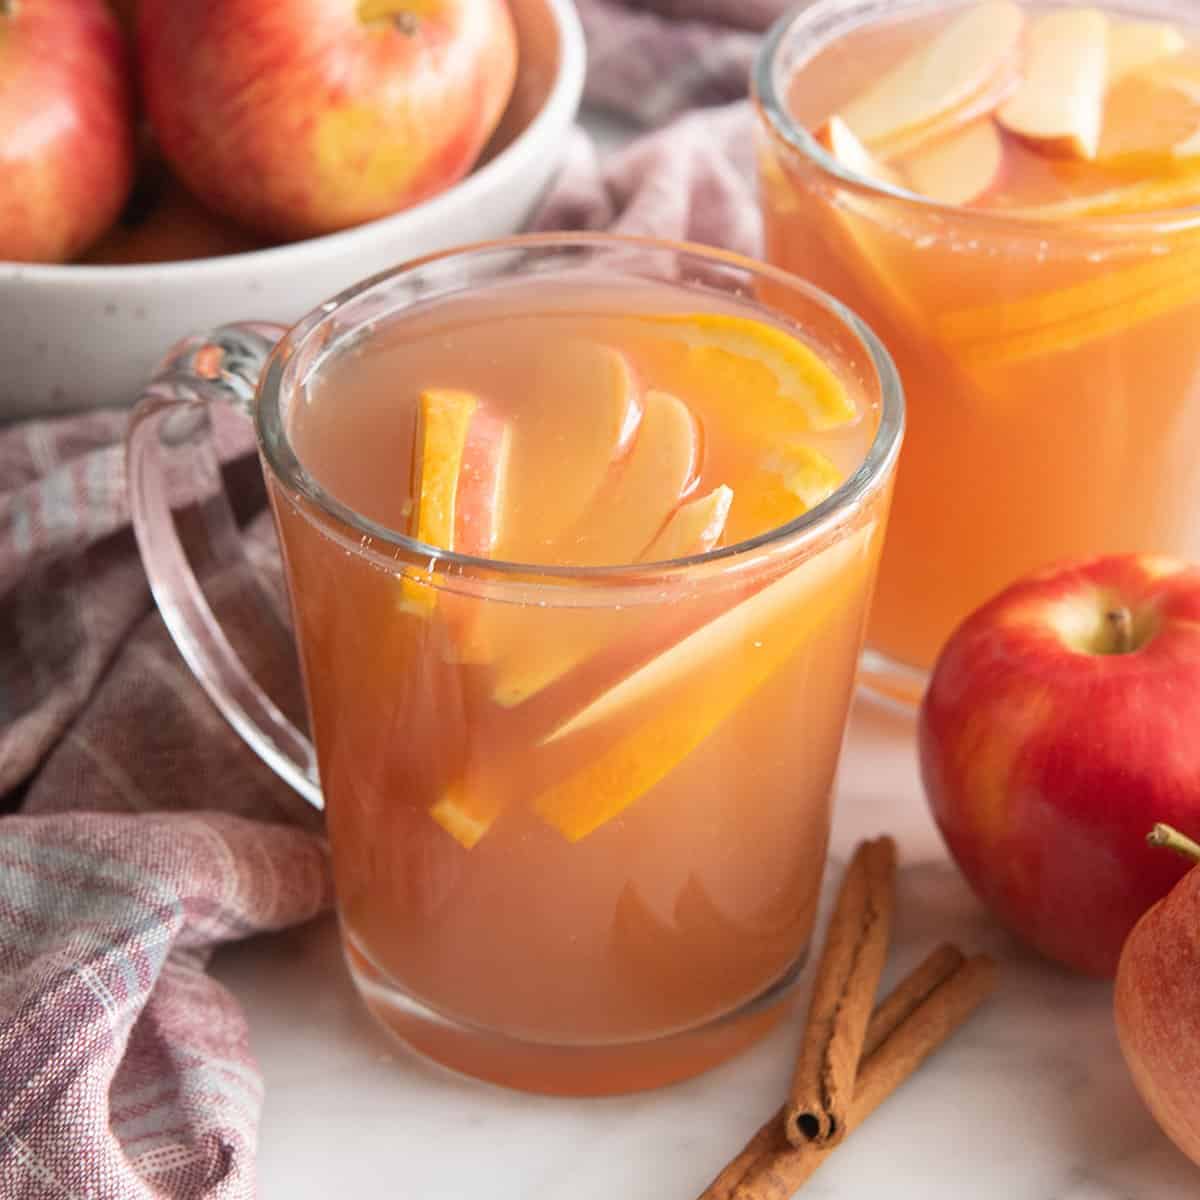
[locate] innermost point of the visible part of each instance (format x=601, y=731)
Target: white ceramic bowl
x=75, y=337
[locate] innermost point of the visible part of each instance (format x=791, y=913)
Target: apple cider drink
x=1008, y=193
x=578, y=790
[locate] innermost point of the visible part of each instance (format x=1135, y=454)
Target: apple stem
x=1165, y=835
x=1120, y=621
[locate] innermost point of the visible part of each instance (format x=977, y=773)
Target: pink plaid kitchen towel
x=141, y=833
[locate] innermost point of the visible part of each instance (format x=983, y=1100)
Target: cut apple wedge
x=789, y=481
x=1133, y=45
x=483, y=474
x=1059, y=105
x=694, y=528
x=840, y=140
x=580, y=417
x=627, y=515
x=1151, y=123
x=643, y=492
x=747, y=644
x=955, y=66
x=959, y=169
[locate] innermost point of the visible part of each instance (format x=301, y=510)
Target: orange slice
x=790, y=480
x=767, y=379
x=443, y=418
x=466, y=813
x=1071, y=317
x=1150, y=123
x=721, y=665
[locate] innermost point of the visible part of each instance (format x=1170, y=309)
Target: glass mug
x=1051, y=368
x=664, y=941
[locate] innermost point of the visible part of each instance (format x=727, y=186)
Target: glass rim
x=771, y=103
x=394, y=549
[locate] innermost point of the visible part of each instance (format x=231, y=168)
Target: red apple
x=1061, y=721
x=1158, y=1018
x=298, y=117
x=66, y=150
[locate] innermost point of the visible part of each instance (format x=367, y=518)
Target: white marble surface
x=1031, y=1101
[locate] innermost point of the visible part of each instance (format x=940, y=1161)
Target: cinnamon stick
x=843, y=994
x=780, y=1170
x=898, y=1006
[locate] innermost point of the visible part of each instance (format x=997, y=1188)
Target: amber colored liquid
x=1052, y=375
x=699, y=891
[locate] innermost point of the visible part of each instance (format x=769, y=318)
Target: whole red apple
x=1061, y=721
x=1157, y=1006
x=66, y=127
x=299, y=117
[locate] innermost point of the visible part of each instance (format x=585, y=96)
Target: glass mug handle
x=205, y=383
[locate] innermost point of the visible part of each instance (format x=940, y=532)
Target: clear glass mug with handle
x=560, y=898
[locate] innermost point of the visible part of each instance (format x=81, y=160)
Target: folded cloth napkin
x=141, y=833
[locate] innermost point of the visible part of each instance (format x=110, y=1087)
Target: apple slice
x=579, y=418
x=644, y=491
x=1133, y=45
x=960, y=169
x=721, y=665
x=945, y=74
x=1059, y=106
x=630, y=510
x=694, y=528
x=483, y=475
x=840, y=140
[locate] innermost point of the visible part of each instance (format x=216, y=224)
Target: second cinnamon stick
x=896, y=1008
x=856, y=943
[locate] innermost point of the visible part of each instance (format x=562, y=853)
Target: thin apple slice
x=694, y=528
x=625, y=518
x=840, y=140
x=790, y=480
x=960, y=169
x=1151, y=123
x=945, y=74
x=643, y=493
x=1059, y=106
x=579, y=418
x=982, y=103
x=721, y=665
x=483, y=475
x=1133, y=45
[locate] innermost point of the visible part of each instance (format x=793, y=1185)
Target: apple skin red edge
x=1045, y=765
x=1158, y=1014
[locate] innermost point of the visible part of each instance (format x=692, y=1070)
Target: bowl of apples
x=171, y=165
